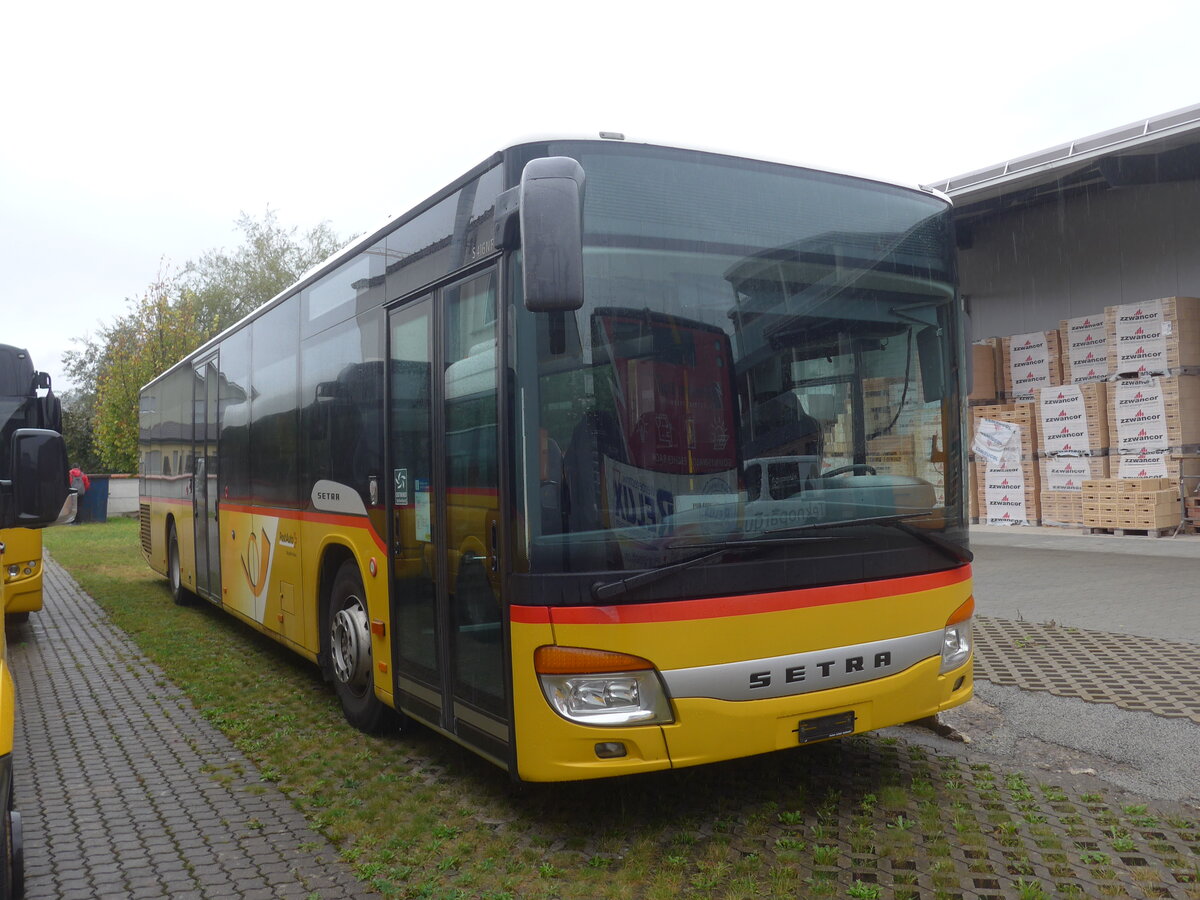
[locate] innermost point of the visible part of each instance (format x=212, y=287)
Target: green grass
x=414, y=815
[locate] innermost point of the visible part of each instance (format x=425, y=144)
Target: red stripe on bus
x=738, y=605
x=299, y=515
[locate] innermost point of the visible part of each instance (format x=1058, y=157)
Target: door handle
x=495, y=562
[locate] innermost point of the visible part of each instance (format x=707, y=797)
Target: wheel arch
x=333, y=555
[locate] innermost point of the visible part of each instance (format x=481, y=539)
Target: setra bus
x=607, y=458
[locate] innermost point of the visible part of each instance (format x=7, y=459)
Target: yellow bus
x=22, y=572
x=607, y=458
x=34, y=492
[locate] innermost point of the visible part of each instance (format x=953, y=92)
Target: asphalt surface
x=1126, y=584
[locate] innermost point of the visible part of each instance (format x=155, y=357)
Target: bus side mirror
x=39, y=493
x=929, y=352
x=551, y=214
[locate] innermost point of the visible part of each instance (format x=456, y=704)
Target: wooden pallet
x=1137, y=532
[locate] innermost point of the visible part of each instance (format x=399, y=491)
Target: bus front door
x=443, y=440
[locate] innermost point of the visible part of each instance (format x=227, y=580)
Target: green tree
x=153, y=336
x=79, y=411
x=177, y=313
x=225, y=285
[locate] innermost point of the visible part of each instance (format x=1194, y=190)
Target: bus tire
x=12, y=870
x=16, y=851
x=350, y=653
x=174, y=569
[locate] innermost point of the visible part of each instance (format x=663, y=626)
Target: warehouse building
x=1067, y=231
x=1077, y=263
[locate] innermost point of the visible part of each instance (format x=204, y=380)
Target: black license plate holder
x=823, y=728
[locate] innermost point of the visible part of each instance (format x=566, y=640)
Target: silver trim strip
x=803, y=673
x=419, y=691
x=484, y=723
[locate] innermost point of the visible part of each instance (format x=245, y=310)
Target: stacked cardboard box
x=1154, y=413
x=1154, y=337
x=1030, y=362
x=1084, y=340
x=1007, y=489
x=1023, y=414
x=1062, y=479
x=1074, y=419
x=984, y=368
x=1145, y=504
x=1073, y=424
x=892, y=454
x=1176, y=468
x=1007, y=493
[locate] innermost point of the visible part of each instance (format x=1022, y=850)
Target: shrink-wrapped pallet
x=1084, y=342
x=1031, y=362
x=1154, y=337
x=1073, y=418
x=1154, y=413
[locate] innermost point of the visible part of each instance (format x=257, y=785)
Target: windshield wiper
x=898, y=521
x=604, y=590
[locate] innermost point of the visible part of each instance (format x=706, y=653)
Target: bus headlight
x=598, y=687
x=956, y=638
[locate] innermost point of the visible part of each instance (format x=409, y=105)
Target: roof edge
x=1126, y=136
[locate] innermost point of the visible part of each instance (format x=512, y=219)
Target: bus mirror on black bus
x=929, y=353
x=39, y=493
x=551, y=212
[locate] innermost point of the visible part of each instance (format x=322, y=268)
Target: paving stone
x=1092, y=665
x=114, y=777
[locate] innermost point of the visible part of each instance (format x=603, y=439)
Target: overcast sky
x=132, y=135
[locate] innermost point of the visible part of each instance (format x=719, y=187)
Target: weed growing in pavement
x=416, y=816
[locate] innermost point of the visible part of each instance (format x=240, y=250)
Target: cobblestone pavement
x=125, y=791
x=1091, y=665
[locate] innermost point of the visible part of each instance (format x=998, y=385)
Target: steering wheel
x=856, y=467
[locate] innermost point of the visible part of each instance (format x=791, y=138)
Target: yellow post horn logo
x=255, y=568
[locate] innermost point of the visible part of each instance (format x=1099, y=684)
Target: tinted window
x=354, y=286
x=273, y=433
x=342, y=398
x=453, y=233
x=234, y=416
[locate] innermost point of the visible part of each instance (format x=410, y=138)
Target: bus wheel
x=12, y=872
x=16, y=855
x=350, y=652
x=174, y=572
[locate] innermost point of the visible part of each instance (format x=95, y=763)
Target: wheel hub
x=351, y=646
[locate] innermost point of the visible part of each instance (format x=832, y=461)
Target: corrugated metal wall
x=1030, y=269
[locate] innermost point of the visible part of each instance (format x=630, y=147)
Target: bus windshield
x=762, y=348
